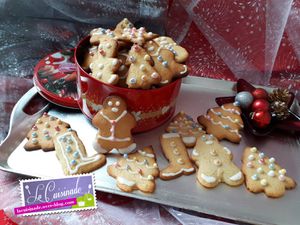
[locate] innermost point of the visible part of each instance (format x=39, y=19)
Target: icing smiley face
x=114, y=105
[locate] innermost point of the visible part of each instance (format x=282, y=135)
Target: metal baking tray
x=196, y=96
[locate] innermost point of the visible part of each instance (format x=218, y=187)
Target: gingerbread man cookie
x=114, y=125
x=264, y=175
x=71, y=153
x=41, y=134
x=223, y=122
x=177, y=155
x=136, y=171
x=105, y=65
x=141, y=73
x=179, y=52
x=214, y=163
x=164, y=63
x=186, y=127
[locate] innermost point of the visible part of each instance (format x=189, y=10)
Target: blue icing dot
x=76, y=154
x=174, y=131
x=34, y=134
x=73, y=162
x=68, y=149
x=226, y=126
x=272, y=166
x=47, y=136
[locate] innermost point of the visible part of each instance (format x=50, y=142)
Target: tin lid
x=55, y=78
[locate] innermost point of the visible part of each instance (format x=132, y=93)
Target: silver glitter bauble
x=244, y=99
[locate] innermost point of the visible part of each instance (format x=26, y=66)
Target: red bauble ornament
x=260, y=93
x=261, y=119
x=260, y=104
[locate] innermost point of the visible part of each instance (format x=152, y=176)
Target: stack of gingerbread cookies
x=134, y=58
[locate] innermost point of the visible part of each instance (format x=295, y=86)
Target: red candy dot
x=57, y=128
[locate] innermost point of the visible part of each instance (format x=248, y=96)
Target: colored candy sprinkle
x=272, y=166
x=68, y=149
x=254, y=177
x=76, y=154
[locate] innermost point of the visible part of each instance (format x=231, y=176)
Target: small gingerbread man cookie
x=264, y=175
x=136, y=171
x=43, y=131
x=71, y=153
x=105, y=65
x=177, y=155
x=114, y=125
x=164, y=63
x=223, y=122
x=179, y=52
x=186, y=127
x=214, y=163
x=141, y=73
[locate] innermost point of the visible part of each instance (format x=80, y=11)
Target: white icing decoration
x=227, y=150
x=236, y=177
x=175, y=151
x=118, y=103
x=126, y=182
x=223, y=125
x=209, y=142
x=260, y=170
x=84, y=160
x=282, y=171
x=180, y=161
x=271, y=160
x=144, y=162
x=281, y=177
x=264, y=182
x=189, y=140
x=231, y=110
x=195, y=152
x=185, y=70
x=208, y=179
x=112, y=78
x=251, y=157
x=143, y=153
x=271, y=173
x=112, y=130
x=114, y=109
x=178, y=172
x=227, y=118
x=170, y=135
x=253, y=149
